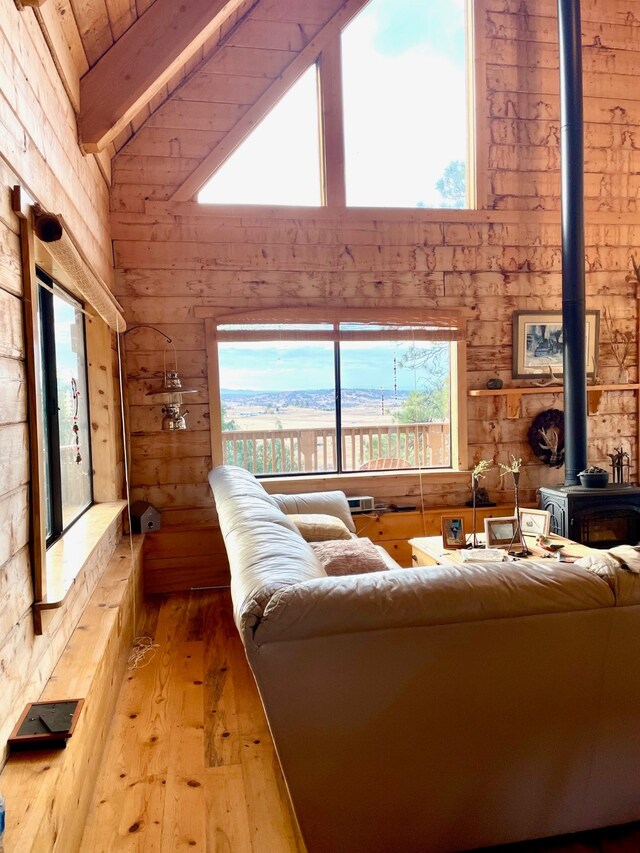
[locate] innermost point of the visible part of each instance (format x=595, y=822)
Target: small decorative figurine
x=620, y=465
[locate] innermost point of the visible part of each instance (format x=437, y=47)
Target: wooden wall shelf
x=514, y=395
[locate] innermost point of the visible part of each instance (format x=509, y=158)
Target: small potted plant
x=593, y=478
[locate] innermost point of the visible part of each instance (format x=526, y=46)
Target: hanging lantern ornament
x=171, y=393
x=172, y=389
x=76, y=429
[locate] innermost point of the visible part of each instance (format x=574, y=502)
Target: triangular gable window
x=279, y=162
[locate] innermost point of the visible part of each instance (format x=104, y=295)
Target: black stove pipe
x=573, y=241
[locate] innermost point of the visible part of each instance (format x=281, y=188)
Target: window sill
x=442, y=475
x=67, y=557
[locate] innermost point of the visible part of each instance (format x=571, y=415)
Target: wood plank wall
x=39, y=150
x=168, y=264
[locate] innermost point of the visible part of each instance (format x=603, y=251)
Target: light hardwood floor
x=190, y=765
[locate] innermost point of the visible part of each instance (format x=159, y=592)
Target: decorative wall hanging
x=538, y=343
x=75, y=428
x=546, y=437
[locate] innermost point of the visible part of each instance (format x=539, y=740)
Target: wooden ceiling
x=248, y=45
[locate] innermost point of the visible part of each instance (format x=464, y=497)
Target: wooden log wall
x=38, y=149
x=502, y=258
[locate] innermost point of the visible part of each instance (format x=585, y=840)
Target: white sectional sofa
x=436, y=709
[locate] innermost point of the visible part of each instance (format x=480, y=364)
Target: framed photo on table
x=501, y=532
x=538, y=344
x=453, y=535
x=535, y=522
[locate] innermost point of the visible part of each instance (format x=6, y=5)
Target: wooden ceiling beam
x=141, y=62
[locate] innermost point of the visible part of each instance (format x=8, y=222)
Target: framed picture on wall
x=538, y=343
x=535, y=522
x=453, y=535
x=501, y=532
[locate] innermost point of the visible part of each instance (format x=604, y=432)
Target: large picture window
x=336, y=397
x=63, y=379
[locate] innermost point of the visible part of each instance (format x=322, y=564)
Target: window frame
x=49, y=404
x=331, y=68
x=319, y=178
x=452, y=320
x=328, y=61
x=55, y=572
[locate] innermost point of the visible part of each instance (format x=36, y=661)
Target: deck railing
x=285, y=451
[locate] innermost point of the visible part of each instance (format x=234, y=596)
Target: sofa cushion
x=327, y=503
x=315, y=527
x=617, y=568
x=355, y=557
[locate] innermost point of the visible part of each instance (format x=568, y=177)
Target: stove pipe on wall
x=573, y=244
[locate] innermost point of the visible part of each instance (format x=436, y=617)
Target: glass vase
x=519, y=536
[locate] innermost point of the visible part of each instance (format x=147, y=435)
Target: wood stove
x=599, y=518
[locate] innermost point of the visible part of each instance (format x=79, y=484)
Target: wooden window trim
x=478, y=119
x=307, y=56
x=326, y=51
x=67, y=558
x=105, y=424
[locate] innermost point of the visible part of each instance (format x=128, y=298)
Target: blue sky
x=405, y=24
x=297, y=367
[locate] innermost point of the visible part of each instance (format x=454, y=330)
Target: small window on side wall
x=63, y=379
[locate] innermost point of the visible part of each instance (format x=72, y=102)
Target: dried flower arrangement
x=481, y=469
x=620, y=342
x=513, y=468
x=477, y=474
x=635, y=276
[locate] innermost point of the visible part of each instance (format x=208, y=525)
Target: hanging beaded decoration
x=76, y=429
